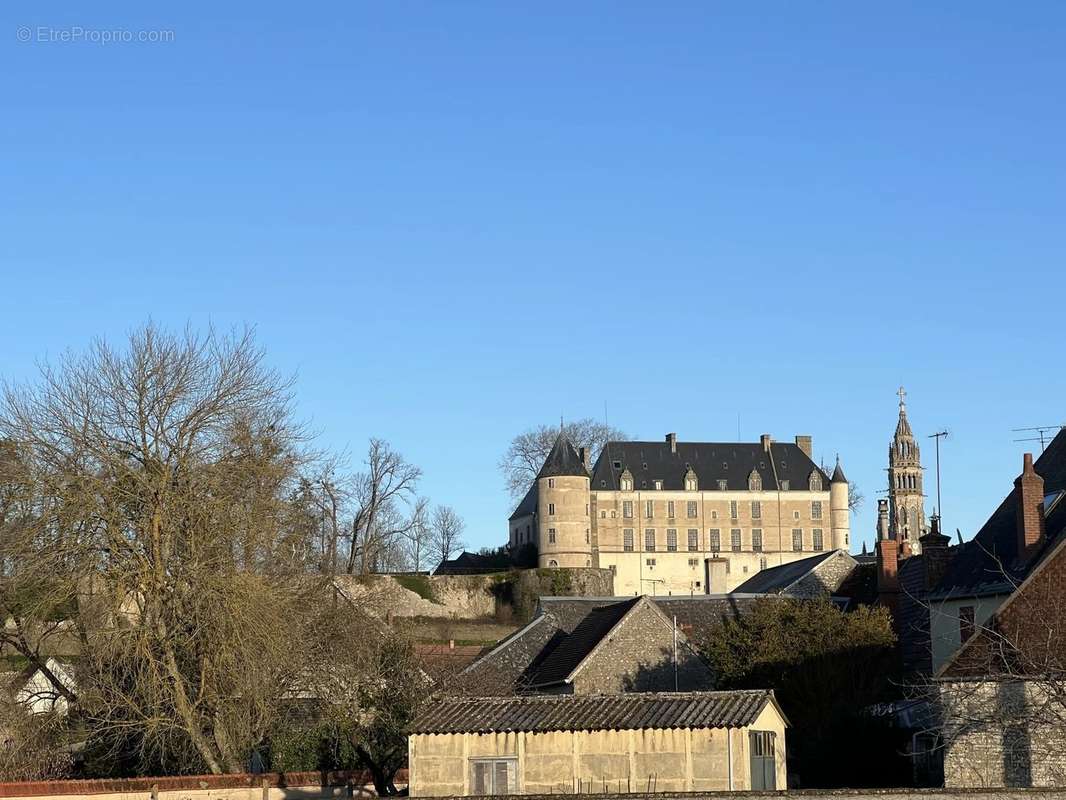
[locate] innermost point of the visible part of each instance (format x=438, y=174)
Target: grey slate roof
x=528, y=505
x=565, y=658
x=634, y=711
x=989, y=564
x=562, y=460
x=838, y=474
x=711, y=461
x=776, y=579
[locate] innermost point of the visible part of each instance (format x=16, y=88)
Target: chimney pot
x=671, y=439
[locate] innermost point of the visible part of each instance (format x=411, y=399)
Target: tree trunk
x=384, y=779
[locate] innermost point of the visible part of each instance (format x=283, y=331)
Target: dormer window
x=723, y=484
x=659, y=485
x=691, y=483
x=754, y=481
x=626, y=481
x=814, y=482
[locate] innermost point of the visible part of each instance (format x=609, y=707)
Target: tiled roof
x=562, y=460
x=633, y=711
x=528, y=505
x=989, y=563
x=581, y=641
x=711, y=461
x=776, y=579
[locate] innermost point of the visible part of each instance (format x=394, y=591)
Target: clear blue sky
x=454, y=220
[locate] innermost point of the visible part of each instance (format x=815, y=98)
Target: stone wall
x=838, y=794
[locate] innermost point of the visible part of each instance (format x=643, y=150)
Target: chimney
x=935, y=554
x=671, y=439
x=1030, y=520
x=805, y=443
x=584, y=455
x=765, y=441
x=882, y=520
x=887, y=573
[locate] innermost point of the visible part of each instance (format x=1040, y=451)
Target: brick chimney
x=765, y=441
x=935, y=554
x=671, y=439
x=806, y=444
x=1030, y=519
x=888, y=573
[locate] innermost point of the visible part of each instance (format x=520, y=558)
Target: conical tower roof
x=562, y=460
x=838, y=474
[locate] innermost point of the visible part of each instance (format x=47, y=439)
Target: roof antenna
x=1043, y=432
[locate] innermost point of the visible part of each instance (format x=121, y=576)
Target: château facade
x=674, y=517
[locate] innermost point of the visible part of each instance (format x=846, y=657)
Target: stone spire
x=906, y=499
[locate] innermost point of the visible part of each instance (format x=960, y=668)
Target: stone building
x=906, y=522
x=651, y=742
x=676, y=517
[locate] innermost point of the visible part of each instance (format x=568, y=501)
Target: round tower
x=839, y=514
x=564, y=527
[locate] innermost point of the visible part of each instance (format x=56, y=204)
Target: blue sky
x=455, y=220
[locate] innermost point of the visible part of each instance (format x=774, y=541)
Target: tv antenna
x=1043, y=433
x=938, y=436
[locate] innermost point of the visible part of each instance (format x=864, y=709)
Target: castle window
x=693, y=539
x=617, y=464
x=754, y=481
x=693, y=563
x=649, y=509
x=816, y=509
x=734, y=513
x=714, y=540
x=784, y=486
x=692, y=509
x=658, y=486
x=649, y=539
x=671, y=539
x=762, y=563
x=670, y=509
x=626, y=483
x=551, y=483
x=795, y=515
x=756, y=539
x=650, y=563
x=586, y=509
x=723, y=484
x=603, y=484
x=551, y=509
x=553, y=563
x=714, y=514
x=627, y=509
x=734, y=539
x=691, y=484
x=551, y=535
x=756, y=509
x=627, y=540
x=816, y=536
x=814, y=482
x=603, y=514
x=797, y=539
x=587, y=540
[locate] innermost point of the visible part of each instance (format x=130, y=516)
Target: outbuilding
x=635, y=742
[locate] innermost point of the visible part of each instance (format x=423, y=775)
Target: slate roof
x=633, y=711
x=565, y=658
x=562, y=460
x=774, y=580
x=838, y=474
x=989, y=564
x=711, y=461
x=528, y=505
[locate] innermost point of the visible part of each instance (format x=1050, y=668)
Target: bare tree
x=388, y=480
x=446, y=531
x=151, y=511
x=526, y=453
x=417, y=536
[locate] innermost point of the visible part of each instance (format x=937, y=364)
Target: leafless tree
x=388, y=481
x=526, y=453
x=416, y=538
x=446, y=531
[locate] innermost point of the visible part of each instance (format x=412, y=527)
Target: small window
x=816, y=509
x=649, y=562
x=551, y=509
x=627, y=509
x=734, y=513
x=495, y=776
x=658, y=486
x=617, y=464
x=692, y=509
x=603, y=514
x=649, y=539
x=551, y=535
x=693, y=539
x=670, y=509
x=762, y=563
x=723, y=484
x=816, y=539
x=756, y=539
x=756, y=509
x=586, y=509
x=671, y=540
x=551, y=483
x=553, y=563
x=649, y=509
x=693, y=562
x=714, y=514
x=795, y=515
x=734, y=539
x=627, y=540
x=966, y=623
x=603, y=484
x=797, y=539
x=714, y=540
x=588, y=540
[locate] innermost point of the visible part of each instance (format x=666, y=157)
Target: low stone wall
x=271, y=786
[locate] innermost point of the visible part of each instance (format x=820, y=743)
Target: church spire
x=906, y=498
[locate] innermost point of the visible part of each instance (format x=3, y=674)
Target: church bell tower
x=906, y=501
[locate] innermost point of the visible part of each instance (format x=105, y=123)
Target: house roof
x=528, y=505
x=989, y=564
x=563, y=459
x=633, y=711
x=774, y=580
x=710, y=461
x=576, y=647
